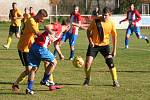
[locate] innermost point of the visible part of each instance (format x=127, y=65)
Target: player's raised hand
x=120, y=22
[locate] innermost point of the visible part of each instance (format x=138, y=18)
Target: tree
x=125, y=4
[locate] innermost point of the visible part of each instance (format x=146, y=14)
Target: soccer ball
x=78, y=62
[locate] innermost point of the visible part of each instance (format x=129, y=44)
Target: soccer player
x=26, y=15
x=39, y=52
x=72, y=34
x=32, y=12
x=57, y=43
x=134, y=18
x=98, y=34
x=95, y=12
x=27, y=38
x=15, y=16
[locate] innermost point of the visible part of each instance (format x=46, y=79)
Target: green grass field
x=133, y=72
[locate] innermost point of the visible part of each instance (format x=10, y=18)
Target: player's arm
x=34, y=27
x=77, y=24
x=48, y=28
x=65, y=28
x=138, y=16
x=124, y=19
x=11, y=15
x=19, y=15
x=89, y=32
x=114, y=40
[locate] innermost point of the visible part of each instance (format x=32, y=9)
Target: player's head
x=96, y=9
x=132, y=6
x=42, y=13
x=26, y=10
x=14, y=5
x=106, y=13
x=76, y=9
x=31, y=9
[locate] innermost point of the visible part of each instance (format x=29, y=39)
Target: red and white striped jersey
x=134, y=16
x=46, y=38
x=75, y=17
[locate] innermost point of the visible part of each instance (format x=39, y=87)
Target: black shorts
x=24, y=58
x=93, y=51
x=14, y=29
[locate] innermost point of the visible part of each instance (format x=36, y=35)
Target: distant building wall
x=6, y=5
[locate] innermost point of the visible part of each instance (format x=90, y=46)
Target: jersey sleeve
x=113, y=31
x=34, y=26
x=138, y=16
x=19, y=13
x=79, y=17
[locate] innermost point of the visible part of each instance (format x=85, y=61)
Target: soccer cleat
x=86, y=82
x=126, y=47
x=28, y=91
x=48, y=83
x=15, y=88
x=54, y=87
x=116, y=83
x=147, y=40
x=6, y=47
x=71, y=59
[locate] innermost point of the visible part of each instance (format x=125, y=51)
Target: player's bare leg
x=21, y=78
x=88, y=63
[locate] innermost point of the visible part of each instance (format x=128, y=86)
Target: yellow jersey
x=15, y=13
x=108, y=28
x=27, y=38
x=25, y=17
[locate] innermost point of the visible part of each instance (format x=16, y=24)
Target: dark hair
x=30, y=7
x=65, y=22
x=14, y=3
x=107, y=10
x=43, y=12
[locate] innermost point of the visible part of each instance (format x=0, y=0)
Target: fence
x=116, y=18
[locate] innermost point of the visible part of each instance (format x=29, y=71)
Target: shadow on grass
x=42, y=89
x=9, y=59
x=91, y=85
x=67, y=84
x=6, y=83
x=12, y=93
x=11, y=49
x=103, y=85
x=138, y=71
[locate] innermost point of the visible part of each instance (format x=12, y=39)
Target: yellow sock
x=113, y=73
x=21, y=78
x=51, y=78
x=9, y=39
x=88, y=72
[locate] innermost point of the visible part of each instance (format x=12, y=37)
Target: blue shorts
x=130, y=30
x=72, y=38
x=37, y=54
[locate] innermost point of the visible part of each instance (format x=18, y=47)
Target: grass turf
x=133, y=72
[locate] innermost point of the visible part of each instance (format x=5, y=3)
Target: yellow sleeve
x=19, y=13
x=34, y=26
x=113, y=31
